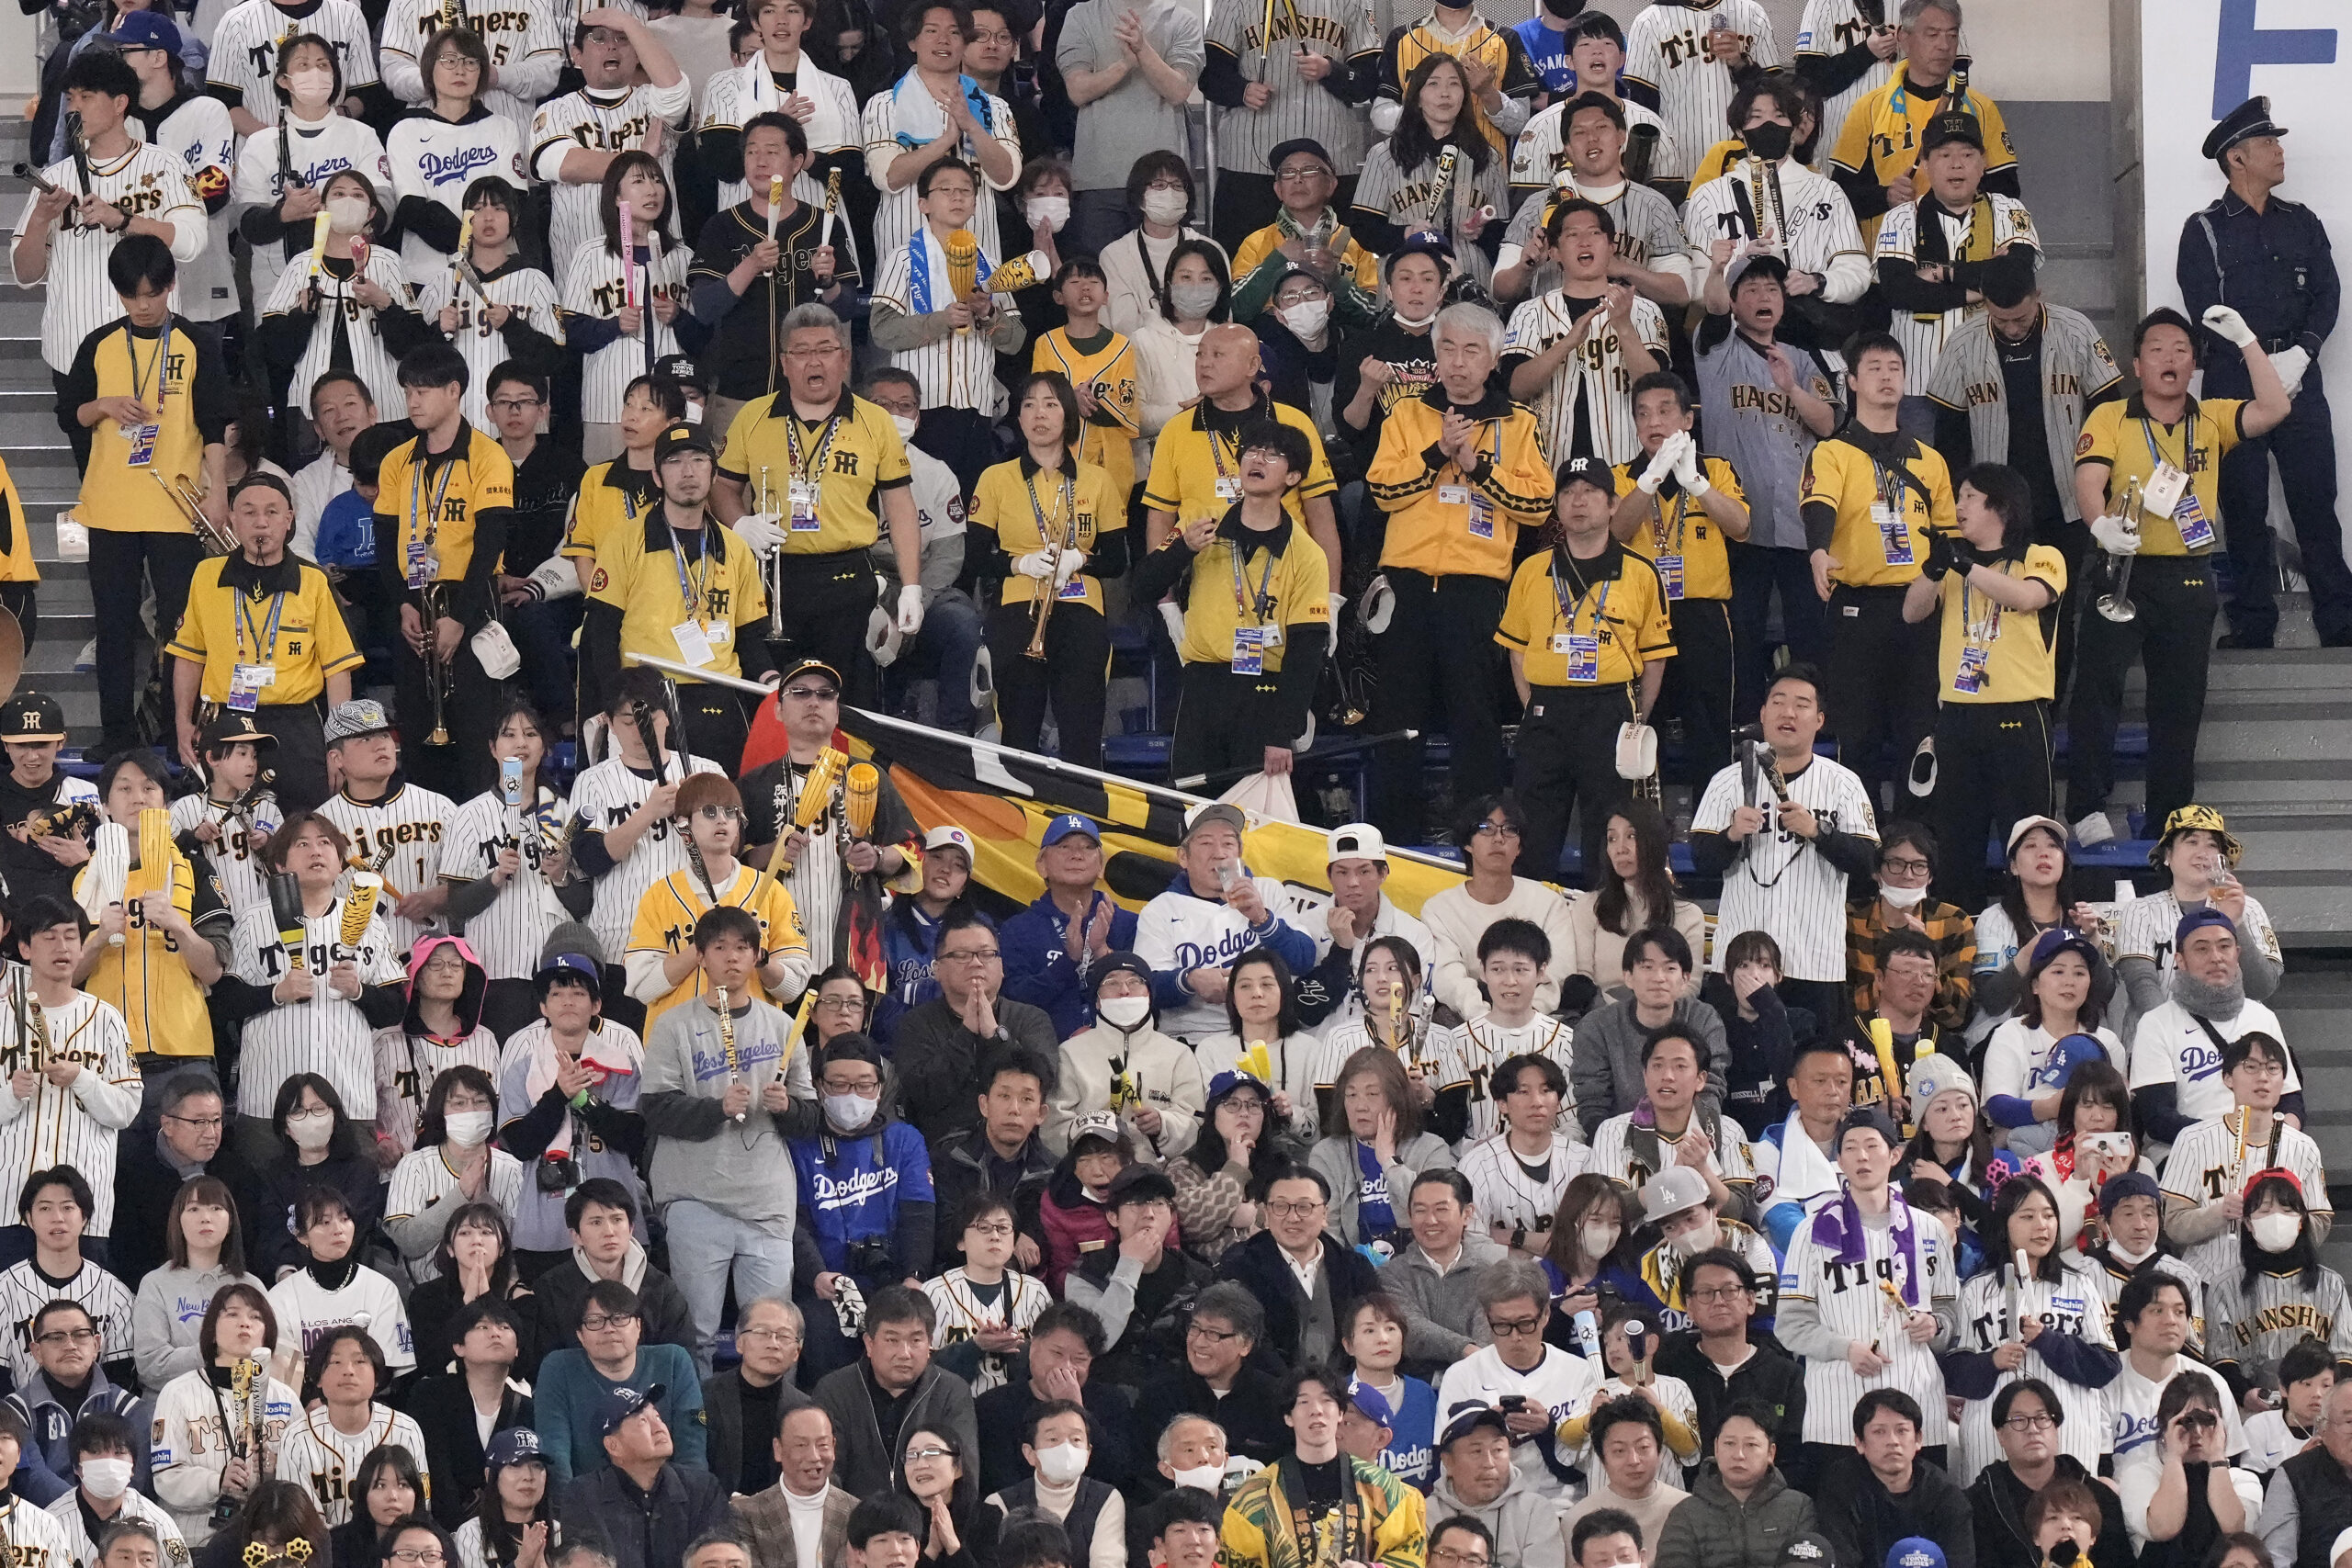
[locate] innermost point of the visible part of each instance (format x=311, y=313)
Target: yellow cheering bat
x=776, y=199
x=817, y=788
x=1882, y=1035
x=963, y=263
x=833, y=205
x=155, y=852
x=1019, y=273
x=1258, y=1062
x=465, y=232
x=319, y=232
x=800, y=1029
x=862, y=788
x=359, y=907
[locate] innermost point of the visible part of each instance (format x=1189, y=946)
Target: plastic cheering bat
x=156, y=855
x=776, y=199
x=286, y=908
x=358, y=259
x=862, y=788
x=319, y=233
x=963, y=263
x=1883, y=1041
x=833, y=204
x=1019, y=273
x=628, y=256
x=817, y=788
x=1257, y=1062
x=108, y=878
x=359, y=909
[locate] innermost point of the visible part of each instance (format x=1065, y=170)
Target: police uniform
x=1871, y=499
x=1995, y=677
x=267, y=637
x=825, y=480
x=441, y=520
x=2172, y=584
x=1694, y=568
x=1584, y=629
x=2272, y=266
x=1257, y=627
x=1017, y=511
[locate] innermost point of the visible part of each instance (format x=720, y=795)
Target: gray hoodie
x=1441, y=1304
x=1606, y=1069
x=1336, y=1159
x=1524, y=1523
x=169, y=1311
x=741, y=1169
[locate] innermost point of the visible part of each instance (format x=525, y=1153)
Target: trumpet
x=191, y=504
x=1043, y=607
x=436, y=669
x=764, y=505
x=2116, y=605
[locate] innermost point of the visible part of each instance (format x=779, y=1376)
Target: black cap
x=232, y=728
x=1866, y=1118
x=1762, y=264
x=30, y=718
x=682, y=438
x=1437, y=247
x=2248, y=121
x=805, y=666
x=1275, y=159
x=1112, y=963
x=1955, y=126
x=1140, y=1183
x=1588, y=470
x=679, y=369
x=1592, y=24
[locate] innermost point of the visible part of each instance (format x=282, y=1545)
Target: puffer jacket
x=1711, y=1528
x=1524, y=1523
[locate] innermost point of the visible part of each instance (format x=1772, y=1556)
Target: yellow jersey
x=1196, y=463
x=1075, y=507
x=840, y=464
x=1592, y=623
x=2122, y=435
x=668, y=911
x=279, y=623
x=1680, y=539
x=1992, y=655
x=1880, y=136
x=434, y=501
x=1884, y=510
x=611, y=494
x=1108, y=440
x=659, y=587
x=1247, y=587
x=145, y=979
x=121, y=491
x=1442, y=523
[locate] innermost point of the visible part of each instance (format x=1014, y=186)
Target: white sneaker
x=87, y=660
x=2094, y=828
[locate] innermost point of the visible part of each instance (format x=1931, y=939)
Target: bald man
x=1196, y=464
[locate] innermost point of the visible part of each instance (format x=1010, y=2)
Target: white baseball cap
x=1357, y=840
x=947, y=835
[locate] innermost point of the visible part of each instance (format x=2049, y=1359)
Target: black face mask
x=1768, y=141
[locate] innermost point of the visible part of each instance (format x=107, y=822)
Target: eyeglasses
x=772, y=1335
x=1168, y=182
x=1517, y=1327
x=997, y=36
x=513, y=405
x=60, y=1337
x=603, y=35
x=998, y=1229
x=863, y=1086
x=201, y=1123
x=426, y=1554
x=598, y=1324
x=1719, y=1292
x=840, y=1004
x=1300, y=172
x=1906, y=867
x=981, y=956
x=2041, y=1423
x=719, y=813
x=1496, y=829
x=1466, y=1559
x=1213, y=1335
x=931, y=1453
x=810, y=693
x=1296, y=1209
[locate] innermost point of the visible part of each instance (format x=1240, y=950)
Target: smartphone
x=2117, y=1144
x=1513, y=1403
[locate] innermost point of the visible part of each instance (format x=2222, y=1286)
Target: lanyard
x=137, y=380
x=1979, y=634
x=1217, y=452
x=424, y=463
x=689, y=588
x=812, y=471
x=2155, y=453
x=1569, y=606
x=1657, y=525
x=264, y=655
x=1069, y=510
x=1262, y=604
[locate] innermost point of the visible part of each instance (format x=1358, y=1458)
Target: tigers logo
x=2083, y=446
x=597, y=583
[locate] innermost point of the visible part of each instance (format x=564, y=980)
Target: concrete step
x=2315, y=1009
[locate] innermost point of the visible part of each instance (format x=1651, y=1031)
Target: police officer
x=2268, y=259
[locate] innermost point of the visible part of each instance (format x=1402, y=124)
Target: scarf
x=2218, y=1003
x=1643, y=1143
x=1805, y=1171
x=1930, y=245
x=920, y=113
x=1837, y=1227
x=539, y=1075
x=632, y=1267
x=927, y=278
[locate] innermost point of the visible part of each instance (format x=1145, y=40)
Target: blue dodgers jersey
x=854, y=1195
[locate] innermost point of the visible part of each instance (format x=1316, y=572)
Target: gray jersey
x=2075, y=368
x=1406, y=197
x=1755, y=425
x=1339, y=30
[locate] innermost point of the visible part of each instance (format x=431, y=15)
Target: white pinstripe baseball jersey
x=1537, y=158
x=1340, y=31
x=367, y=1300
x=905, y=118
x=423, y=1184
x=1828, y=29
x=1822, y=234
x=733, y=98
x=2070, y=1308
x=67, y=1512
x=235, y=860
x=198, y=1427
x=1784, y=885
x=322, y=1457
x=245, y=45
x=1612, y=1156
x=525, y=290
x=958, y=370
x=362, y=333
x=74, y=1126
x=24, y=1289
x=1404, y=197
x=508, y=935
x=1666, y=50
x=526, y=43
x=962, y=1313
x=594, y=286
x=31, y=1537
x=399, y=838
x=2207, y=1164
x=598, y=122
x=1592, y=383
x=1923, y=337
x=604, y=797
x=328, y=1034
x=1468, y=1053
x=1649, y=231
x=145, y=182
x=436, y=161
x=319, y=152
x=1853, y=1303
x=1521, y=1194
x=407, y=1066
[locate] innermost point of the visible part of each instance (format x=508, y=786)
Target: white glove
x=910, y=610
x=2291, y=364
x=2116, y=537
x=1339, y=602
x=1073, y=562
x=763, y=531
x=1688, y=470
x=1172, y=615
x=882, y=639
x=2229, y=325
x=1038, y=564
x=1661, y=464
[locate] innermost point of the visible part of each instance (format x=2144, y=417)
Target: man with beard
x=2176, y=1050
x=2013, y=385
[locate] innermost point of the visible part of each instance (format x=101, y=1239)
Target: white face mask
x=1166, y=205
x=310, y=1131
x=1062, y=1463
x=1202, y=1477
x=850, y=1111
x=1053, y=212
x=311, y=87
x=1598, y=1241
x=1691, y=1243
x=2275, y=1232
x=348, y=214
x=1902, y=897
x=1124, y=1012
x=906, y=426
x=467, y=1129
x=1415, y=324
x=107, y=1478
x=2116, y=1251
x=1308, y=317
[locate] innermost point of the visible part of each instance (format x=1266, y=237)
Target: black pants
x=1438, y=665
x=1882, y=692
x=121, y=565
x=1225, y=722
x=716, y=727
x=1756, y=571
x=2173, y=637
x=300, y=757
x=826, y=602
x=1074, y=676
x=1698, y=686
x=462, y=768
x=2305, y=446
x=22, y=600
x=1992, y=768
x=1568, y=759
x=2073, y=543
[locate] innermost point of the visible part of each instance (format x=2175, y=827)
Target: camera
x=556, y=1172
x=870, y=1256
